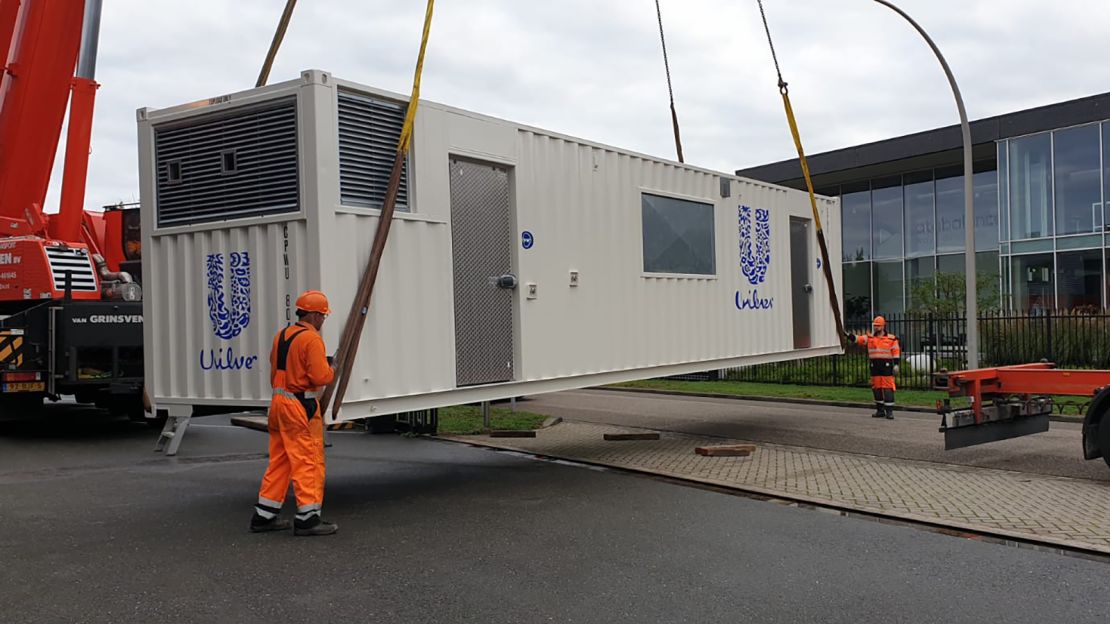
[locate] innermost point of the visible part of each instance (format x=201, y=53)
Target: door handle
x=808, y=288
x=507, y=281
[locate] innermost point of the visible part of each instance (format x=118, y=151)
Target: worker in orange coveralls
x=299, y=367
x=883, y=352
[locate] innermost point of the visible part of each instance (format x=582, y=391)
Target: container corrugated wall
x=196, y=356
x=584, y=202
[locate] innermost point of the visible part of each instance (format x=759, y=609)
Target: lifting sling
x=360, y=307
x=834, y=300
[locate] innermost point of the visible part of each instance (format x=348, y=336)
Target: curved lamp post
x=969, y=211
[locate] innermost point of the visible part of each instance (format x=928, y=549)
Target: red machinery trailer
x=70, y=306
x=1012, y=401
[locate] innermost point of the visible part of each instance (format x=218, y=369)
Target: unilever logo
x=229, y=319
x=755, y=256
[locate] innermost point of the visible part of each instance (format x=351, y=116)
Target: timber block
x=728, y=450
x=622, y=437
x=508, y=433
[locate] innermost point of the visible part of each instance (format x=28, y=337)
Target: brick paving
x=1055, y=510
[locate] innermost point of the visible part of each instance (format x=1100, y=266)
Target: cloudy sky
x=593, y=69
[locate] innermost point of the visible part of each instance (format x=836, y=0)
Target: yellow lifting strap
x=410, y=115
x=360, y=307
x=834, y=300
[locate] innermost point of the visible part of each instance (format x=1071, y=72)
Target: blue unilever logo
x=228, y=319
x=755, y=257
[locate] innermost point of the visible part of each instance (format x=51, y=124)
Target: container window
x=678, y=236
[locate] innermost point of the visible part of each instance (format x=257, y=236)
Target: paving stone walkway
x=1055, y=510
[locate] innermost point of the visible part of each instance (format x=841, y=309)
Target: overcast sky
x=593, y=69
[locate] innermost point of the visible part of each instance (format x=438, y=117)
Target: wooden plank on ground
x=509, y=433
x=728, y=450
x=623, y=437
x=258, y=423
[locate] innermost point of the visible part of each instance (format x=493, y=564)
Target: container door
x=481, y=240
x=801, y=290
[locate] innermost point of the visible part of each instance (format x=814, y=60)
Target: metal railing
x=929, y=343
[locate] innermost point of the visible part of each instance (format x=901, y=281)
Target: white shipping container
x=626, y=266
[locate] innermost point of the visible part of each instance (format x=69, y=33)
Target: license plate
x=27, y=386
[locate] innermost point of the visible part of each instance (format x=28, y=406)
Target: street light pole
x=969, y=198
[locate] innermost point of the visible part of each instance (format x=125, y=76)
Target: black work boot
x=314, y=526
x=890, y=412
x=878, y=411
x=262, y=525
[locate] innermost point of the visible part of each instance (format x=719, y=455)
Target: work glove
x=895, y=369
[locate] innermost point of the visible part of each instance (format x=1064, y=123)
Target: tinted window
x=1078, y=192
x=678, y=236
x=1030, y=187
x=855, y=210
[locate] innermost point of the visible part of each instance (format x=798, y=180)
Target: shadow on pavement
x=68, y=421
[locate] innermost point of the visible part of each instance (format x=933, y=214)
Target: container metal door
x=481, y=240
x=800, y=288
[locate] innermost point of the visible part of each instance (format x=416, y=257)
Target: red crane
x=70, y=317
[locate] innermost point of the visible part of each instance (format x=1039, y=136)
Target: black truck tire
x=1104, y=439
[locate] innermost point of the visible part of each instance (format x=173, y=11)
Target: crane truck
x=70, y=293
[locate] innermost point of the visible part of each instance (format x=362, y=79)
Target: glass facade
x=1041, y=231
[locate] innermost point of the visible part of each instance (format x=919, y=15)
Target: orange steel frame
x=1024, y=380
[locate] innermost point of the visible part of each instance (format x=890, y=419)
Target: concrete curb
x=851, y=404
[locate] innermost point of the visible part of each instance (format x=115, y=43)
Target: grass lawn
x=925, y=398
x=467, y=420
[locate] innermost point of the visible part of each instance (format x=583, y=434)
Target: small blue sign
x=527, y=240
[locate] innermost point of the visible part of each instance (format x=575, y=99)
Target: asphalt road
x=909, y=436
x=97, y=528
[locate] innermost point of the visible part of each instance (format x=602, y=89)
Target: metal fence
x=929, y=343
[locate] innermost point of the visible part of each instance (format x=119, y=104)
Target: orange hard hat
x=313, y=301
x=879, y=322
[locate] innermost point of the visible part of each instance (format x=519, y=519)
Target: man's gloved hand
x=895, y=369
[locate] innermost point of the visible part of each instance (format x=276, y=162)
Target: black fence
x=1070, y=339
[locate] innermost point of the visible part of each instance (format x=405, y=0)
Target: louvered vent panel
x=228, y=166
x=77, y=263
x=368, y=133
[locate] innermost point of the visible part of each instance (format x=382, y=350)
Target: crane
x=70, y=301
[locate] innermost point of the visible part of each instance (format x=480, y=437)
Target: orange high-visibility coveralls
x=883, y=352
x=298, y=368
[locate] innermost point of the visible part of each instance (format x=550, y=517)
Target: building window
x=1078, y=279
x=1032, y=282
x=888, y=287
x=985, y=206
x=855, y=232
x=950, y=211
x=1077, y=181
x=677, y=236
x=886, y=218
x=857, y=290
x=920, y=221
x=1106, y=168
x=1003, y=192
x=920, y=282
x=1030, y=187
